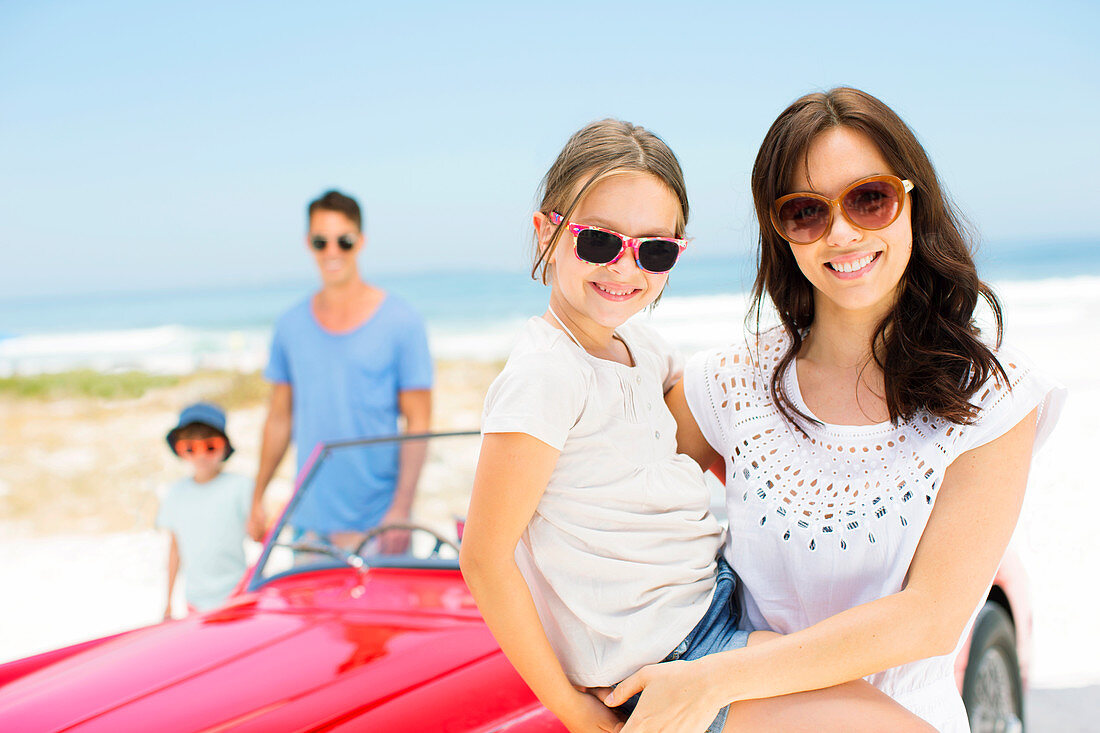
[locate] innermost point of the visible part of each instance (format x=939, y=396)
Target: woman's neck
x=839, y=380
x=840, y=338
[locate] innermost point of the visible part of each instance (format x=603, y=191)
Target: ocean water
x=470, y=314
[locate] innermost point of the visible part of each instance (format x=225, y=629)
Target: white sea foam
x=690, y=323
x=162, y=350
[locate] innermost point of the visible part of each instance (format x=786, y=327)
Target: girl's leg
x=853, y=706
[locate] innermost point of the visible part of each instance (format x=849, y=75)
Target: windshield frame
x=317, y=456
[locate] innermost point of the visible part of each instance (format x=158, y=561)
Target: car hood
x=288, y=657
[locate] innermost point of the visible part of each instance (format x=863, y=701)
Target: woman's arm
x=962, y=545
x=689, y=438
x=512, y=474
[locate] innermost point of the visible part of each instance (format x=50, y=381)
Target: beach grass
x=229, y=389
x=84, y=383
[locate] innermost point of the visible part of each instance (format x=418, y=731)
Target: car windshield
x=344, y=490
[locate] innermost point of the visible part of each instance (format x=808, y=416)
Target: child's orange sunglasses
x=200, y=447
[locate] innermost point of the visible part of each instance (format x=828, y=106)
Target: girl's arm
x=173, y=570
x=512, y=473
x=962, y=545
x=689, y=438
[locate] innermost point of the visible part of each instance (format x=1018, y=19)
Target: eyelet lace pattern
x=834, y=483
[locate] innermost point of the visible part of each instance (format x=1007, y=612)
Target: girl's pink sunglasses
x=598, y=246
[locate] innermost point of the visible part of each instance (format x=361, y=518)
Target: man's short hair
x=341, y=204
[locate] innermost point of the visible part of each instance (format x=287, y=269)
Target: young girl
x=876, y=448
x=588, y=545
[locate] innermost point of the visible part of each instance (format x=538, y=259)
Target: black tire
x=992, y=690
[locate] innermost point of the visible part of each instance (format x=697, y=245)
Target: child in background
x=589, y=546
x=206, y=512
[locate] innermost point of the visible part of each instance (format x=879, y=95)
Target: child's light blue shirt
x=209, y=523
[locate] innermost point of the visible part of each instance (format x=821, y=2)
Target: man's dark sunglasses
x=345, y=242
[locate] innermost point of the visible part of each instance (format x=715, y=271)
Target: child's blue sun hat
x=202, y=413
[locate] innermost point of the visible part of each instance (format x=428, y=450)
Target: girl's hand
x=584, y=713
x=675, y=696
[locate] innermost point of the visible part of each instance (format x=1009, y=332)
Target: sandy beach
x=79, y=480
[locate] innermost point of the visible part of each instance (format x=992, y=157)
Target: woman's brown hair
x=928, y=346
x=596, y=151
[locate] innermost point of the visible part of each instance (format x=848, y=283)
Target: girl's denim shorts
x=716, y=632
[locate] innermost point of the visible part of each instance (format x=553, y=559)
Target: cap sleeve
x=414, y=360
x=669, y=359
x=1002, y=406
x=702, y=374
x=278, y=368
x=538, y=395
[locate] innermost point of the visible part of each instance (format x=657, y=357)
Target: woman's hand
x=584, y=713
x=675, y=696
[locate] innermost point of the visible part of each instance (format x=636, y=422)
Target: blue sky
x=174, y=145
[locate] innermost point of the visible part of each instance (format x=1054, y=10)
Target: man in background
x=346, y=362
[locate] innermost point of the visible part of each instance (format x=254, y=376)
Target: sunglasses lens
x=873, y=205
x=598, y=248
x=803, y=219
x=658, y=255
x=318, y=243
x=346, y=243
x=199, y=447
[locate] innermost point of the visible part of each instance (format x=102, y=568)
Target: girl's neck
x=597, y=340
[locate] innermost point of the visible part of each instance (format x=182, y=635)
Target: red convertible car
x=328, y=633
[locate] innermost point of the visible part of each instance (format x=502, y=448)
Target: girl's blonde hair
x=597, y=151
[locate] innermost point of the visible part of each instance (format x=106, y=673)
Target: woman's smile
x=853, y=266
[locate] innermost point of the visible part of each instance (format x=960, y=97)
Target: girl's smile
x=615, y=291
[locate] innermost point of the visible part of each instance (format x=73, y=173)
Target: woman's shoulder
x=755, y=353
x=1019, y=373
x=1003, y=399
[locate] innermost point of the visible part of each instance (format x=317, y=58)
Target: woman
x=876, y=447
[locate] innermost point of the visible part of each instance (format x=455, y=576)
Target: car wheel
x=992, y=689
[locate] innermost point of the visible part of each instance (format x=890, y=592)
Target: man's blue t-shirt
x=345, y=385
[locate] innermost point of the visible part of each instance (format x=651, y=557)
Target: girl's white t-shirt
x=620, y=555
x=828, y=519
